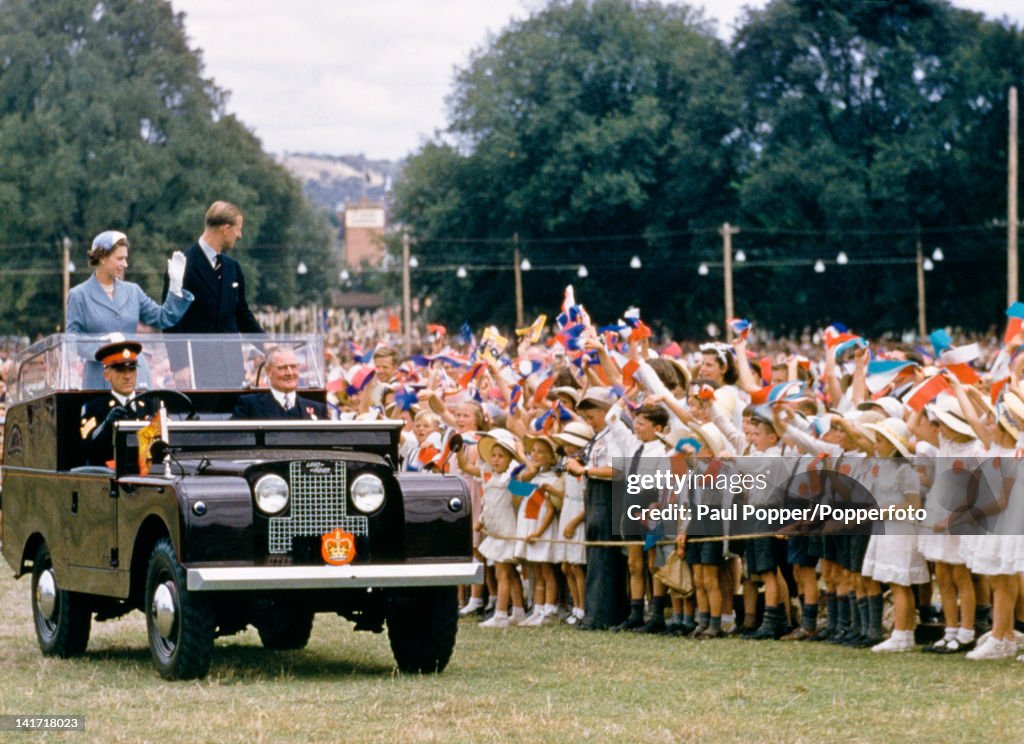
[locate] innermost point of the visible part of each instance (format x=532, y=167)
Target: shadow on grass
x=252, y=662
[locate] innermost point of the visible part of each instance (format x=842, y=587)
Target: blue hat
x=108, y=239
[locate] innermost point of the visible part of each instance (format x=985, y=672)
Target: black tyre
x=180, y=623
x=422, y=624
x=285, y=629
x=62, y=619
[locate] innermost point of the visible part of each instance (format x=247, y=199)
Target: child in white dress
x=957, y=448
x=536, y=525
x=498, y=449
x=573, y=553
x=893, y=556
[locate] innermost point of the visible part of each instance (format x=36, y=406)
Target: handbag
x=676, y=575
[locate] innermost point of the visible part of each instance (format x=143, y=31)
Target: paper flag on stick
x=940, y=341
x=492, y=344
x=534, y=330
x=924, y=393
x=1014, y=321
x=740, y=326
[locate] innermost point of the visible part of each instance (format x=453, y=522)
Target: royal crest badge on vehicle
x=338, y=547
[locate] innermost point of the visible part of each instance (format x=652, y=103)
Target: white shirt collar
x=282, y=398
x=122, y=399
x=208, y=251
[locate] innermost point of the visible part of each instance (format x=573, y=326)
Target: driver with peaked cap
x=120, y=362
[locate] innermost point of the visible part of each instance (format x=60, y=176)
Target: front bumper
x=396, y=575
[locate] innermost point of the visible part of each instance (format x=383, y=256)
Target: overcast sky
x=343, y=77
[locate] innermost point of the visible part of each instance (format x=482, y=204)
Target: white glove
x=176, y=273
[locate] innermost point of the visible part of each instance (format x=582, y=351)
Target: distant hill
x=333, y=180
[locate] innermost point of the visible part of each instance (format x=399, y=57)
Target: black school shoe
x=697, y=630
x=952, y=647
x=862, y=641
x=822, y=634
x=680, y=629
x=630, y=623
x=654, y=626
x=841, y=638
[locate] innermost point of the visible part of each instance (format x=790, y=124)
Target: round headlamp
x=367, y=493
x=271, y=494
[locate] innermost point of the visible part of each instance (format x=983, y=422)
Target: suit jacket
x=90, y=310
x=97, y=436
x=265, y=406
x=219, y=307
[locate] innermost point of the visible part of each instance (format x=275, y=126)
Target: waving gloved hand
x=176, y=272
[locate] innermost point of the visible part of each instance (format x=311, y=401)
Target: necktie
x=289, y=401
x=634, y=464
x=218, y=267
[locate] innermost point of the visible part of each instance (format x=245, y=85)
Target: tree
x=106, y=122
x=588, y=120
x=867, y=125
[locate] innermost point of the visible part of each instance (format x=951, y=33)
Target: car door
x=91, y=526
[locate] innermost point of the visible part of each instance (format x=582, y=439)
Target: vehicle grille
x=318, y=505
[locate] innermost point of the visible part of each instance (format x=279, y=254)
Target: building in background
x=364, y=222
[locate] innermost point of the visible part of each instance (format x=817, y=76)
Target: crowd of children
x=543, y=428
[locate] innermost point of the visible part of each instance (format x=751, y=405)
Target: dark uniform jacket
x=97, y=431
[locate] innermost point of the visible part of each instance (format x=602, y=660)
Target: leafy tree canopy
x=587, y=121
x=106, y=121
x=599, y=129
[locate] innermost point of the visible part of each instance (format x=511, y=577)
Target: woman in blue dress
x=106, y=304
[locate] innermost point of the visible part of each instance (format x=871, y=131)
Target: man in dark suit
x=282, y=402
x=220, y=306
x=120, y=362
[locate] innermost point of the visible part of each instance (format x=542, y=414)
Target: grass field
x=536, y=685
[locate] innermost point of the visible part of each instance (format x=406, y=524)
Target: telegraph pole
x=727, y=231
x=1011, y=203
x=922, y=318
x=65, y=272
x=406, y=301
x=518, y=274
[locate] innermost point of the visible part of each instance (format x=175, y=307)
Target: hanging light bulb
x=842, y=259
x=938, y=255
x=740, y=256
x=702, y=269
x=461, y=272
x=819, y=266
x=301, y=269
x=635, y=262
x=582, y=272
x=413, y=262
x=927, y=265
x=525, y=265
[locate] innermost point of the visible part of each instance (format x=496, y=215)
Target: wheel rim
x=164, y=611
x=46, y=602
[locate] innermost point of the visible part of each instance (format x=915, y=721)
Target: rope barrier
x=622, y=543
